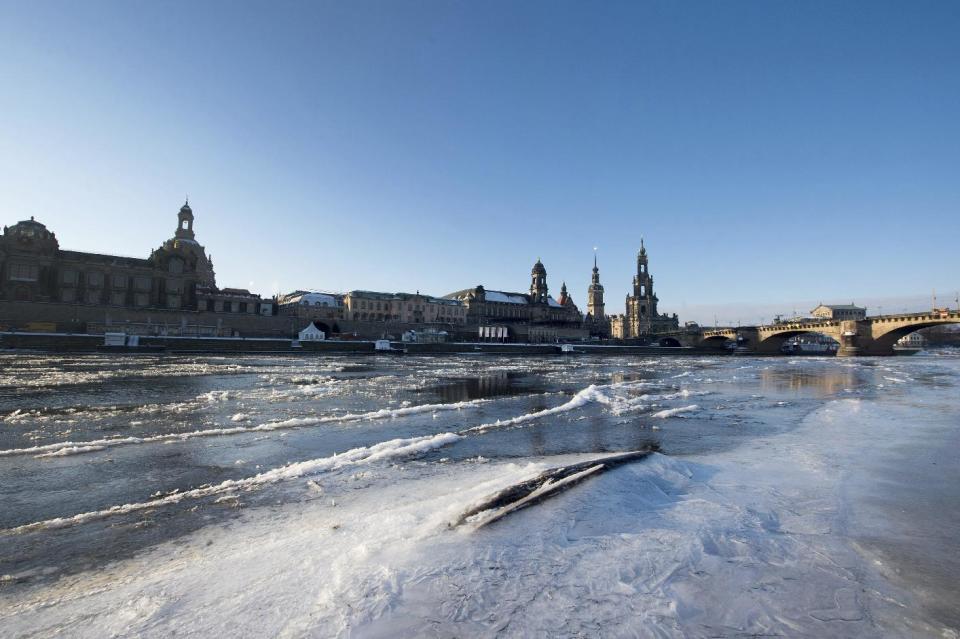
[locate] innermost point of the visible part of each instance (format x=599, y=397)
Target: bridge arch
x=884, y=342
x=717, y=342
x=781, y=340
x=771, y=339
x=669, y=342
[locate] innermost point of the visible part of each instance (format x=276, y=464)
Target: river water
x=320, y=496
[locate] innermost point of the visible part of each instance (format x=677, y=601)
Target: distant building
x=232, y=300
x=618, y=326
x=840, y=312
x=536, y=307
x=310, y=299
x=913, y=340
x=178, y=275
x=325, y=309
x=642, y=317
x=596, y=319
x=410, y=308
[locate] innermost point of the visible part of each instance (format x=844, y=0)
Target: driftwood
x=546, y=484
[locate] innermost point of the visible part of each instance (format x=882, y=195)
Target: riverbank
x=91, y=343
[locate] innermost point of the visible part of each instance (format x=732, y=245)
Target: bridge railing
x=905, y=317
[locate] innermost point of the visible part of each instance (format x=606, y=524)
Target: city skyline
x=735, y=313
x=777, y=158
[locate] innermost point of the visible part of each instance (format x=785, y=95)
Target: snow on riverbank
x=749, y=541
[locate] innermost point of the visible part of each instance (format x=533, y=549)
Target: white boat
x=384, y=346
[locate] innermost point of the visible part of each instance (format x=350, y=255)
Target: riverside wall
x=73, y=343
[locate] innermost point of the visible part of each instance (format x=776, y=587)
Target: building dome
x=31, y=234
x=538, y=268
x=29, y=228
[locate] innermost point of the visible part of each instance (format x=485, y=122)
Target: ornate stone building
x=536, y=307
x=840, y=311
x=409, y=308
x=642, y=318
x=177, y=276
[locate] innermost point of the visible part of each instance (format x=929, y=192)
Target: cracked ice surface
x=794, y=531
x=741, y=543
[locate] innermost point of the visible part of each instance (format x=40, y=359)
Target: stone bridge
x=871, y=336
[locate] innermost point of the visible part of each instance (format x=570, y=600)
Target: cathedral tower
x=595, y=294
x=642, y=317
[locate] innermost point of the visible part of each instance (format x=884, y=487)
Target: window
x=68, y=295
x=117, y=298
x=24, y=272
x=142, y=283
x=243, y=307
x=95, y=279
x=69, y=277
x=118, y=281
x=142, y=299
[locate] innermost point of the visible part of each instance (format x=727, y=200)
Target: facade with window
x=409, y=308
x=840, y=312
x=536, y=307
x=176, y=276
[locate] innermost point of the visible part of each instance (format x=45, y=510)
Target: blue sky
x=772, y=154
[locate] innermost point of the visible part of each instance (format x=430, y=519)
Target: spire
x=565, y=299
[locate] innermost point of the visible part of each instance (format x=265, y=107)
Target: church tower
x=642, y=316
x=185, y=222
x=182, y=255
x=538, y=283
x=595, y=294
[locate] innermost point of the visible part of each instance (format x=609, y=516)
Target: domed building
x=178, y=275
x=534, y=316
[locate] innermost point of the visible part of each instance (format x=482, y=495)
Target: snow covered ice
x=807, y=497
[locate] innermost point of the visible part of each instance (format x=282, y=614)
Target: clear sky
x=772, y=154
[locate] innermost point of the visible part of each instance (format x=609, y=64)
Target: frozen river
x=316, y=496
